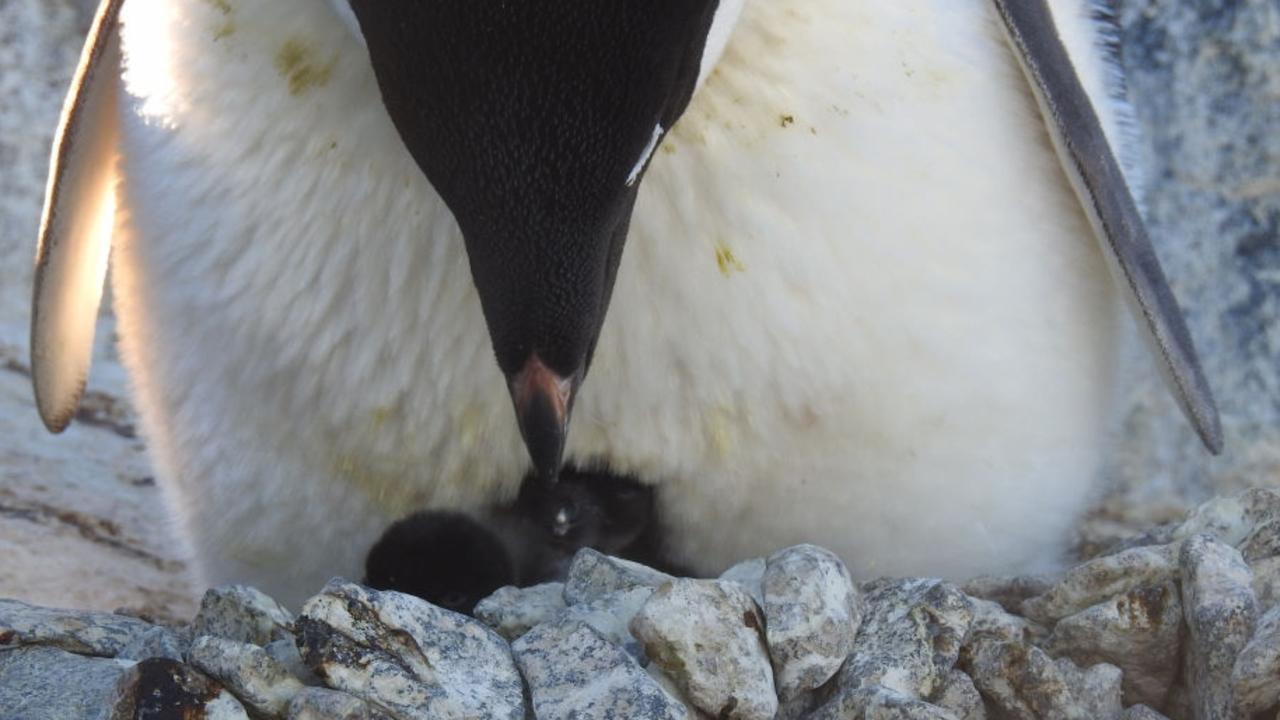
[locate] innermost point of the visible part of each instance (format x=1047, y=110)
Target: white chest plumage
x=859, y=305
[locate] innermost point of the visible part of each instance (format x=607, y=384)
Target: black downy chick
x=455, y=560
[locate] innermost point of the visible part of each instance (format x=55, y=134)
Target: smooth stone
x=593, y=574
x=156, y=642
x=749, y=574
x=706, y=635
x=408, y=656
x=513, y=611
x=575, y=672
x=260, y=682
x=1255, y=679
x=610, y=615
x=243, y=614
x=285, y=652
x=46, y=683
x=324, y=704
x=84, y=633
x=1220, y=610
x=812, y=612
x=1138, y=632
x=1102, y=578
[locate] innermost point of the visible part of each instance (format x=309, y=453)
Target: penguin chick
x=448, y=559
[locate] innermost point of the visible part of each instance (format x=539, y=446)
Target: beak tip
x=542, y=401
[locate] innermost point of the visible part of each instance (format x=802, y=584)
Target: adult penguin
x=864, y=299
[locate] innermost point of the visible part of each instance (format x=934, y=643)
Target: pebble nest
x=1180, y=622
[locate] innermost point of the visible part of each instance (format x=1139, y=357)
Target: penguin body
x=859, y=305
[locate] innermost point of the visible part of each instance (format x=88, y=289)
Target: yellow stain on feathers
x=298, y=65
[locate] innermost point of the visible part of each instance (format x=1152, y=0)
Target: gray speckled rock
x=1231, y=520
x=254, y=677
x=164, y=688
x=1141, y=712
x=243, y=614
x=85, y=633
x=45, y=683
x=1097, y=580
x=706, y=636
x=407, y=655
x=593, y=573
x=1255, y=680
x=1139, y=632
x=512, y=611
x=610, y=615
x=1008, y=591
x=749, y=574
x=1266, y=582
x=1218, y=602
x=1262, y=542
x=992, y=621
x=874, y=702
x=957, y=694
x=156, y=642
x=574, y=672
x=325, y=704
x=812, y=611
x=910, y=636
x=1022, y=682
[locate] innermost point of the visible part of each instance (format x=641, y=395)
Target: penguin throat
x=722, y=25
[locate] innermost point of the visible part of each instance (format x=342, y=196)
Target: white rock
x=610, y=615
x=812, y=611
x=512, y=611
x=407, y=655
x=156, y=642
x=241, y=613
x=593, y=574
x=1102, y=578
x=324, y=704
x=1231, y=519
x=706, y=636
x=957, y=694
x=874, y=702
x=285, y=652
x=749, y=574
x=256, y=679
x=574, y=672
x=1255, y=680
x=1220, y=610
x=1266, y=582
x=85, y=633
x=910, y=636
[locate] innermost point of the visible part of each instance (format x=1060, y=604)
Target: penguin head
x=535, y=122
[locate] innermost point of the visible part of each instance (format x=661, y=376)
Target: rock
x=46, y=683
x=874, y=702
x=1138, y=632
x=957, y=694
x=706, y=636
x=285, y=652
x=243, y=614
x=253, y=676
x=1220, y=610
x=84, y=633
x=749, y=574
x=812, y=612
x=512, y=611
x=1255, y=680
x=593, y=574
x=1262, y=543
x=156, y=642
x=324, y=704
x=1097, y=580
x=910, y=636
x=990, y=620
x=1230, y=520
x=407, y=655
x=574, y=672
x=1141, y=712
x=1021, y=682
x=1008, y=591
x=164, y=688
x=610, y=615
x=1266, y=582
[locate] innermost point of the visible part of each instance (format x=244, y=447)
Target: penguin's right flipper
x=1091, y=166
x=76, y=226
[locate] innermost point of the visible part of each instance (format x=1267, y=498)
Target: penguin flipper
x=1099, y=183
x=76, y=226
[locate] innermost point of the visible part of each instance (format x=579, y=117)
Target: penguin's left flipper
x=75, y=228
x=1100, y=185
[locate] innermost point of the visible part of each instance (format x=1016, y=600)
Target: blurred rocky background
x=81, y=518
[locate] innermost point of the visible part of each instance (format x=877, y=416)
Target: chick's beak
x=543, y=401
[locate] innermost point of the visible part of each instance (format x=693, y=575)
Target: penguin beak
x=543, y=400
